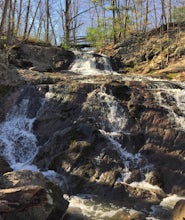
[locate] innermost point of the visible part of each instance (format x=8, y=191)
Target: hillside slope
x=158, y=53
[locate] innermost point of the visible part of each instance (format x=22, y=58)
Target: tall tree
x=67, y=21
x=47, y=21
x=34, y=17
x=4, y=13
x=113, y=4
x=146, y=16
x=26, y=19
x=19, y=16
x=169, y=11
x=13, y=17
x=163, y=13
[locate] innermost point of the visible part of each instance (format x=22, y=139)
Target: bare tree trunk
x=26, y=20
x=126, y=18
x=53, y=31
x=39, y=29
x=19, y=17
x=169, y=11
x=136, y=16
x=67, y=21
x=4, y=13
x=9, y=22
x=33, y=20
x=47, y=21
x=146, y=16
x=113, y=3
x=163, y=14
x=155, y=13
x=13, y=18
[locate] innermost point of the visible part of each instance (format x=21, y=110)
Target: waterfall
x=90, y=63
x=111, y=121
x=171, y=96
x=18, y=144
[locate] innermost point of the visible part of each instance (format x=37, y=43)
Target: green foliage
x=178, y=14
x=97, y=36
x=66, y=46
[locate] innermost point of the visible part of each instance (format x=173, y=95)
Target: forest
x=101, y=21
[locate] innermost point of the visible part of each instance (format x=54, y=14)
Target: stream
x=19, y=144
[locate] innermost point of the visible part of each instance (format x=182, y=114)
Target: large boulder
x=26, y=202
x=32, y=193
x=40, y=58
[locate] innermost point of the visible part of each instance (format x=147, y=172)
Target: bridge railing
x=79, y=42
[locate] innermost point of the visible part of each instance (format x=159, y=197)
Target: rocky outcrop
x=40, y=58
x=75, y=111
x=106, y=134
x=30, y=202
x=27, y=195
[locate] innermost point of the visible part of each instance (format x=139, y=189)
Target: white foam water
x=90, y=207
x=86, y=64
x=18, y=144
x=170, y=201
x=173, y=100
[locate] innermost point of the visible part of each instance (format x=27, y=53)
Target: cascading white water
x=89, y=64
x=112, y=120
x=172, y=98
x=18, y=144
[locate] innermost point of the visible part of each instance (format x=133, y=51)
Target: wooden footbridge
x=80, y=42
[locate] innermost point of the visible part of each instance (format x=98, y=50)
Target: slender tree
x=19, y=17
x=146, y=16
x=47, y=21
x=67, y=21
x=4, y=14
x=34, y=17
x=13, y=17
x=26, y=19
x=163, y=13
x=113, y=4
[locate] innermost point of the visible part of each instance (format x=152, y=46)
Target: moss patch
x=172, y=76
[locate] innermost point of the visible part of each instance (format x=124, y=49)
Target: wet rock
x=179, y=210
x=40, y=58
x=154, y=178
x=54, y=202
x=26, y=202
x=9, y=75
x=147, y=195
x=134, y=177
x=4, y=166
x=76, y=148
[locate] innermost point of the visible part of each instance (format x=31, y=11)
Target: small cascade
x=89, y=206
x=89, y=63
x=171, y=96
x=18, y=144
x=112, y=119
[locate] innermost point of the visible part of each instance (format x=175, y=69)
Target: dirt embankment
x=159, y=53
